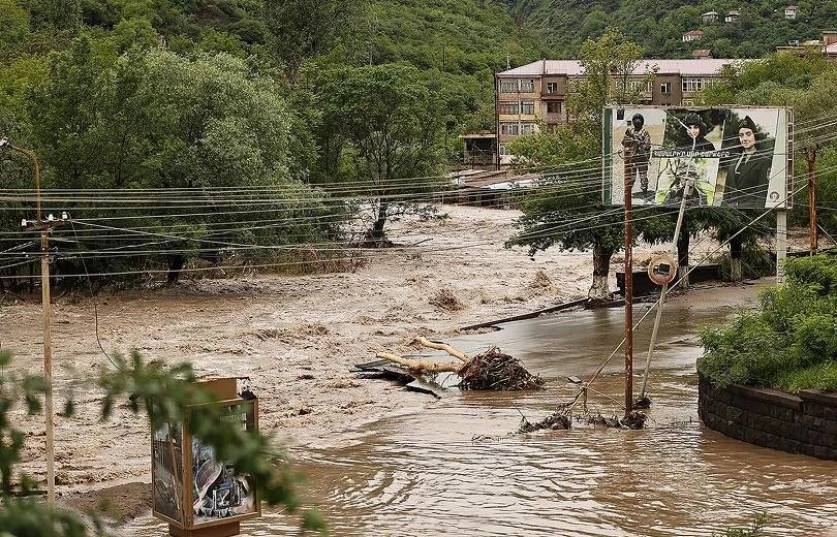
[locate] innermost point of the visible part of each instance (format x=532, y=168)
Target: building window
x=552, y=87
x=527, y=86
x=509, y=108
x=503, y=150
x=527, y=108
x=553, y=107
x=665, y=88
x=529, y=128
x=692, y=84
x=509, y=129
x=639, y=86
x=508, y=86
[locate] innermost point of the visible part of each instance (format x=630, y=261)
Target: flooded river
x=453, y=468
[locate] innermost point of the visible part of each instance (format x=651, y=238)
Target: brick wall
x=804, y=423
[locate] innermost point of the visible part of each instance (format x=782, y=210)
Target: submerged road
x=455, y=469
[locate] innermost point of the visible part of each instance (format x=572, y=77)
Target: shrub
x=789, y=343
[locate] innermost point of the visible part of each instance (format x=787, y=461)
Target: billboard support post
x=812, y=198
x=663, y=292
x=781, y=244
x=628, y=150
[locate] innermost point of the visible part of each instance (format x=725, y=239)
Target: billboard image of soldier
x=690, y=155
x=728, y=156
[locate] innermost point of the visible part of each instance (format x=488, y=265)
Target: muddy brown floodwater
x=451, y=467
x=386, y=462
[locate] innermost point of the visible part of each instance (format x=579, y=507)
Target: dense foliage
x=658, y=25
x=195, y=113
x=790, y=342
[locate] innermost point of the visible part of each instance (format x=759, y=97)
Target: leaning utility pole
x=628, y=152
x=45, y=227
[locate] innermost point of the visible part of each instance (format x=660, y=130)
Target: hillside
x=459, y=42
x=658, y=25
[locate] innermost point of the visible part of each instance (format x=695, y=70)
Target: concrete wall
x=805, y=424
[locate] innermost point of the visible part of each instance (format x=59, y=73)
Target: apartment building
x=532, y=95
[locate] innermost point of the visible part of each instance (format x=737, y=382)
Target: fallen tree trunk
x=422, y=366
x=442, y=347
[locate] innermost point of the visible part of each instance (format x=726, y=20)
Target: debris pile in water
x=554, y=422
x=562, y=419
x=494, y=370
x=634, y=420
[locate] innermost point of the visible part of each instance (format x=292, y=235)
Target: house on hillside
x=709, y=17
x=732, y=16
x=693, y=35
x=534, y=95
x=827, y=45
x=791, y=12
x=701, y=54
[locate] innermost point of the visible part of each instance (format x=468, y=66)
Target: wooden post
x=43, y=227
x=812, y=199
x=48, y=409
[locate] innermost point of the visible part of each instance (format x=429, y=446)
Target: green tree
x=390, y=122
x=570, y=213
x=164, y=396
x=14, y=23
x=304, y=29
x=151, y=120
x=807, y=84
x=609, y=64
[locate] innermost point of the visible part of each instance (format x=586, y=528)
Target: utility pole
x=812, y=198
x=45, y=227
x=628, y=152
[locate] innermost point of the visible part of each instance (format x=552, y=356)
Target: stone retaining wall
x=805, y=424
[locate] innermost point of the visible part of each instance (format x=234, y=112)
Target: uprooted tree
x=491, y=370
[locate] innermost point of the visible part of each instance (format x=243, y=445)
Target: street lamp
x=44, y=227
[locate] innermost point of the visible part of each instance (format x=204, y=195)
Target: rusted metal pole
x=812, y=198
x=628, y=150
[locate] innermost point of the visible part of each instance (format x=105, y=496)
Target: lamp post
x=44, y=226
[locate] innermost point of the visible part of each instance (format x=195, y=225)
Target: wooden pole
x=48, y=410
x=812, y=199
x=628, y=146
x=44, y=228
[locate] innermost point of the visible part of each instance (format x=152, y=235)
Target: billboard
x=736, y=156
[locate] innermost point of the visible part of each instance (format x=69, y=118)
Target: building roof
x=701, y=53
x=705, y=66
x=695, y=32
